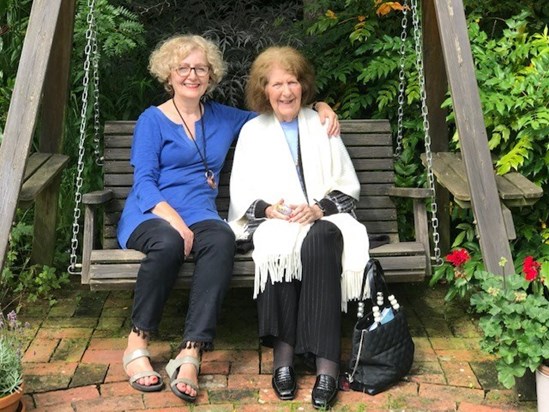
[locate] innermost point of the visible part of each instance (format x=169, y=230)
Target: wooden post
x=474, y=141
x=436, y=86
x=54, y=101
x=23, y=110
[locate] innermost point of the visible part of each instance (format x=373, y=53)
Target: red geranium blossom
x=530, y=268
x=458, y=257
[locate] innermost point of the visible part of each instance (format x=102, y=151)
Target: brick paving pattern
x=73, y=361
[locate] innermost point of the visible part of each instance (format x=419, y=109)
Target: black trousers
x=307, y=314
x=213, y=250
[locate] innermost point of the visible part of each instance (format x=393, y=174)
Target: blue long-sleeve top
x=167, y=166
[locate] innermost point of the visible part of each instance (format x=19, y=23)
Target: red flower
x=458, y=257
x=530, y=268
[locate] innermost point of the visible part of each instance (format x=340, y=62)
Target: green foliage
x=514, y=83
x=21, y=280
x=13, y=25
x=495, y=12
x=360, y=76
x=515, y=324
x=118, y=29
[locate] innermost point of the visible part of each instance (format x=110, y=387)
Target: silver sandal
x=172, y=368
x=136, y=354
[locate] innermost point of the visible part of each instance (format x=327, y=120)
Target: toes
x=148, y=381
x=186, y=389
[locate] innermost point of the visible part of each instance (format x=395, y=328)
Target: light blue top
x=291, y=131
x=167, y=166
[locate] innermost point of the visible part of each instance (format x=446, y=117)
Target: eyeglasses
x=198, y=70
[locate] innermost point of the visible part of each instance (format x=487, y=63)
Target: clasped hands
x=302, y=213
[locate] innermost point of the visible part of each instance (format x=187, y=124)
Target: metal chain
x=80, y=165
x=401, y=80
x=96, y=111
x=424, y=112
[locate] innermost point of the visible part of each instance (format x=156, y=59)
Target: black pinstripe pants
x=307, y=314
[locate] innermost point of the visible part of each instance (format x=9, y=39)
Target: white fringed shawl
x=263, y=168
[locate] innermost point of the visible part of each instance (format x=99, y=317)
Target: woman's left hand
x=305, y=214
x=327, y=114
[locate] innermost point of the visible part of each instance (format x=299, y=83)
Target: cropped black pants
x=307, y=314
x=213, y=250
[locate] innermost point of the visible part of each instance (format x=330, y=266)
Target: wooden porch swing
x=369, y=142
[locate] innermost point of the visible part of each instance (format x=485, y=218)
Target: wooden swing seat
x=105, y=266
x=514, y=189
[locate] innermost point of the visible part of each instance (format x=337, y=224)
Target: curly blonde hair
x=169, y=53
x=290, y=60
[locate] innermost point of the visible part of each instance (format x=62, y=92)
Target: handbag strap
x=350, y=377
x=375, y=278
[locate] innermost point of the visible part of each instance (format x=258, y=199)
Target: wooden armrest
x=40, y=171
x=513, y=188
x=410, y=192
x=98, y=197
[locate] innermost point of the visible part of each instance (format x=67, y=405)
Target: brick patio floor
x=73, y=361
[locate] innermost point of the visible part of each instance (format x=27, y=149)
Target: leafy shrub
x=514, y=323
x=19, y=278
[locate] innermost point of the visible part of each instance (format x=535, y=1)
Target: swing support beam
x=460, y=72
x=42, y=78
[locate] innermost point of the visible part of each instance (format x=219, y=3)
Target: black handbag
x=381, y=354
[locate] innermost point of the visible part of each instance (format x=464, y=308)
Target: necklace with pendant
x=210, y=176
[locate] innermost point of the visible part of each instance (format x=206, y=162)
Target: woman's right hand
x=168, y=213
x=186, y=233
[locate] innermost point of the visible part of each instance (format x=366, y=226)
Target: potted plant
x=11, y=370
x=514, y=311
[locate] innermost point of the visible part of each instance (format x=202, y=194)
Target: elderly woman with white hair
x=293, y=192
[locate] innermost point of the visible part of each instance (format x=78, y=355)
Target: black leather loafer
x=324, y=392
x=284, y=383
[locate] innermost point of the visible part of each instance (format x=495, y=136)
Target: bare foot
x=188, y=371
x=142, y=364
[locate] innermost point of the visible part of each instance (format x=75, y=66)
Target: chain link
x=428, y=153
x=96, y=111
x=401, y=80
x=90, y=41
